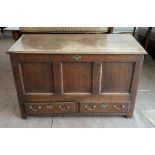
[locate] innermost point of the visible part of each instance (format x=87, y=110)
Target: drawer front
x=50, y=108
x=119, y=107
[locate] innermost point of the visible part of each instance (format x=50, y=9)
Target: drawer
x=115, y=107
x=50, y=108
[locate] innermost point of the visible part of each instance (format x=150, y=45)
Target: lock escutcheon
x=77, y=57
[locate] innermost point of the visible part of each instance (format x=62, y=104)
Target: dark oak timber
x=76, y=74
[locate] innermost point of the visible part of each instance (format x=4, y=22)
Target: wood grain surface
x=79, y=72
x=77, y=43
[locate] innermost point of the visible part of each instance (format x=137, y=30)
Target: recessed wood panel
x=77, y=77
x=116, y=77
x=37, y=77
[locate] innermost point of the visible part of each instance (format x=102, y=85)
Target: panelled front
x=66, y=75
x=75, y=76
x=72, y=84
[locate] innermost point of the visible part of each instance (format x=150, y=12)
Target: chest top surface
x=77, y=44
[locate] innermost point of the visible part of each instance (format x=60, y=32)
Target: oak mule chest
x=76, y=74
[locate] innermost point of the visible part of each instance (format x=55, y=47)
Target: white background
x=114, y=13
x=77, y=13
x=77, y=141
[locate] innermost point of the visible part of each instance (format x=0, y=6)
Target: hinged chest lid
x=77, y=44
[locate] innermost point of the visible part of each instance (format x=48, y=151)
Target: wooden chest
x=76, y=74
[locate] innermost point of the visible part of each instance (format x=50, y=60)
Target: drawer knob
x=104, y=105
x=77, y=57
x=35, y=108
x=90, y=106
x=64, y=107
x=119, y=106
